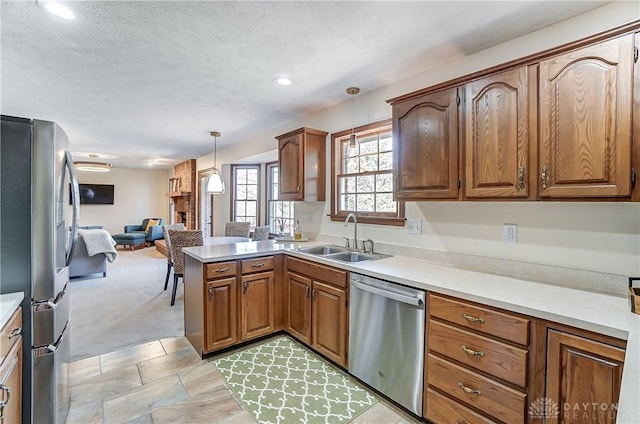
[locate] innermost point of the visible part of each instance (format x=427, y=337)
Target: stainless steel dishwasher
x=386, y=338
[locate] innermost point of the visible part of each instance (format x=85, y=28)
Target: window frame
x=233, y=190
x=269, y=192
x=336, y=159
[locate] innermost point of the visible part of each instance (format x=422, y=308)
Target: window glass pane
x=385, y=203
x=384, y=182
x=365, y=203
x=365, y=184
x=252, y=220
x=348, y=202
x=386, y=142
x=252, y=176
x=351, y=165
x=241, y=192
x=252, y=192
x=241, y=176
x=367, y=147
x=251, y=208
x=368, y=163
x=240, y=209
x=386, y=161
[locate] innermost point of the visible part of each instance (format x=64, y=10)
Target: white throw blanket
x=99, y=241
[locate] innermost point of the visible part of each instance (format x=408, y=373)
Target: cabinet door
x=497, y=135
x=329, y=322
x=11, y=388
x=299, y=307
x=220, y=315
x=585, y=121
x=425, y=145
x=291, y=163
x=582, y=373
x=257, y=305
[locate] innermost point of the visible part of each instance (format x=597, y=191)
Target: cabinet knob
x=314, y=294
x=298, y=188
x=307, y=290
x=245, y=285
x=4, y=402
x=521, y=178
x=210, y=293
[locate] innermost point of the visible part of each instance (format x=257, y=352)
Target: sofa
x=82, y=264
x=154, y=233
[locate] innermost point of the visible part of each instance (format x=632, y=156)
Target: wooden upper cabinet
x=301, y=161
x=585, y=121
x=425, y=146
x=497, y=135
x=583, y=372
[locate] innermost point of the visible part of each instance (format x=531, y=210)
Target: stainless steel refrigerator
x=38, y=229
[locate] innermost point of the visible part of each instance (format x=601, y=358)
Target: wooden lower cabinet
x=220, y=313
x=11, y=370
x=583, y=378
x=299, y=307
x=443, y=410
x=316, y=304
x=329, y=328
x=256, y=306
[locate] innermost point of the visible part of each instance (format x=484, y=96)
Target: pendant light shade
x=215, y=184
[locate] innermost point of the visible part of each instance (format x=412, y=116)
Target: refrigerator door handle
x=50, y=303
x=75, y=198
x=48, y=349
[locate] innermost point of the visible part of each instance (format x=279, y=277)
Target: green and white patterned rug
x=282, y=382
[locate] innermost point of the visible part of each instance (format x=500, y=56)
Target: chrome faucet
x=355, y=228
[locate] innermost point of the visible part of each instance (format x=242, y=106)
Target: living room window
x=245, y=196
x=362, y=176
x=279, y=212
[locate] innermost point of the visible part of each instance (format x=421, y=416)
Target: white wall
x=596, y=236
x=138, y=194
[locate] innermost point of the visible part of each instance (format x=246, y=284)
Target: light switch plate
x=415, y=226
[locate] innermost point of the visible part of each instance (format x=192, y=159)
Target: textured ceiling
x=143, y=80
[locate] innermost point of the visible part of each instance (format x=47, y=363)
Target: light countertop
x=600, y=313
x=8, y=304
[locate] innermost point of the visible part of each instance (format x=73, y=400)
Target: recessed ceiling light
x=282, y=80
x=56, y=8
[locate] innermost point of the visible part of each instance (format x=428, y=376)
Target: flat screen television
x=95, y=194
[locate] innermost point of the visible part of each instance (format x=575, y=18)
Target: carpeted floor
x=280, y=381
x=128, y=307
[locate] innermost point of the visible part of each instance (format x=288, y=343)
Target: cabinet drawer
x=10, y=332
x=221, y=269
x=495, y=358
x=257, y=264
x=327, y=274
x=483, y=320
x=442, y=410
x=484, y=394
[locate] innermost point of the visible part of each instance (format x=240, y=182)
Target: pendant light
x=353, y=141
x=215, y=184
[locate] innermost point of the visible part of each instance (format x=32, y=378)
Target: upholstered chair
x=167, y=241
x=180, y=239
x=261, y=233
x=152, y=232
x=237, y=229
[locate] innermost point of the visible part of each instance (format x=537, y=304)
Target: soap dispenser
x=297, y=231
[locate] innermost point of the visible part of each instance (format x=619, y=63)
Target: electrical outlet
x=510, y=233
x=415, y=226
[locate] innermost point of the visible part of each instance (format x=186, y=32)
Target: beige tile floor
x=165, y=381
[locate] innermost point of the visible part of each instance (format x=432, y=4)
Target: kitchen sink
x=322, y=250
x=356, y=256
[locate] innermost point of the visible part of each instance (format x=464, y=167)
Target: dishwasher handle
x=388, y=294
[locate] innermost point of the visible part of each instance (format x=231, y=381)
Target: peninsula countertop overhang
x=600, y=313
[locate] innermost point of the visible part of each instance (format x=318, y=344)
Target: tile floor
x=165, y=381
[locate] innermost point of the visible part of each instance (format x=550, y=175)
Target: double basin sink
x=342, y=254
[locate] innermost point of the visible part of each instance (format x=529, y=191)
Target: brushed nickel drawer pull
x=460, y=421
x=260, y=265
x=210, y=293
x=470, y=390
x=245, y=286
x=472, y=319
x=472, y=352
x=222, y=269
x=16, y=332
